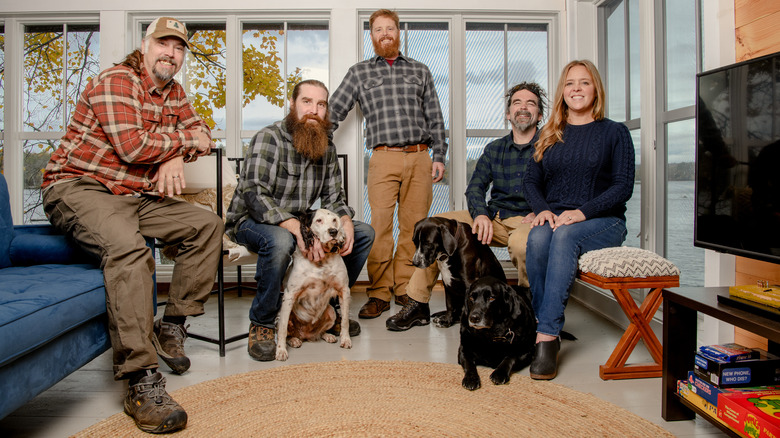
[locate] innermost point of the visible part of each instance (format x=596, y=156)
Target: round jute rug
x=386, y=398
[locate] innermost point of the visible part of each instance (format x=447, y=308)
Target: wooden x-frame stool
x=621, y=269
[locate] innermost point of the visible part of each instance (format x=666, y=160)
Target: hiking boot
x=373, y=308
x=354, y=328
x=402, y=300
x=412, y=314
x=262, y=343
x=169, y=340
x=152, y=409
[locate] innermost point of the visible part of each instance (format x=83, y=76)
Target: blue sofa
x=52, y=309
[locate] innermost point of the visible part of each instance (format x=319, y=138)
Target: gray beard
x=164, y=77
x=520, y=126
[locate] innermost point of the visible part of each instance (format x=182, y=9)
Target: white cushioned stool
x=620, y=269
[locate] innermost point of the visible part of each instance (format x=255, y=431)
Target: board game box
x=753, y=414
x=729, y=352
x=710, y=392
x=751, y=372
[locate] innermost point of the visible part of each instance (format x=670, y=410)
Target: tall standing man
x=290, y=165
x=505, y=219
x=403, y=120
x=106, y=186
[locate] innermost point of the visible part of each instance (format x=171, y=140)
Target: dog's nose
x=333, y=232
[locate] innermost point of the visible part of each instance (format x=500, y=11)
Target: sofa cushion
x=625, y=261
x=39, y=303
x=39, y=249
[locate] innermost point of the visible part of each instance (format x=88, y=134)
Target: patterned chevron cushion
x=623, y=261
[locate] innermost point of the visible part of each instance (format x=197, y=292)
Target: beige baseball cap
x=168, y=26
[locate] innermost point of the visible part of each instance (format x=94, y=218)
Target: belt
x=408, y=148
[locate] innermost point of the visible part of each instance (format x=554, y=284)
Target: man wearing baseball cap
x=110, y=182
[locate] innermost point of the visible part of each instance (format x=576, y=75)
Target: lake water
x=679, y=239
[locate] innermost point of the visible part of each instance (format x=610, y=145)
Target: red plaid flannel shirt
x=122, y=129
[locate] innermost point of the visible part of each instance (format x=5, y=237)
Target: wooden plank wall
x=756, y=24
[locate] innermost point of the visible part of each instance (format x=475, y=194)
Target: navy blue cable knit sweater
x=591, y=170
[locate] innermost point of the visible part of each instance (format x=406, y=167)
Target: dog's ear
x=448, y=240
x=305, y=219
x=416, y=233
x=512, y=300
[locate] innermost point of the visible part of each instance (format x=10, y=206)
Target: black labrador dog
x=497, y=329
x=462, y=259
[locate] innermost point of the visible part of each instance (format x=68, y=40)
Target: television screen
x=738, y=159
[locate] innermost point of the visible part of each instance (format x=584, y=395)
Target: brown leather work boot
x=169, y=340
x=152, y=409
x=373, y=308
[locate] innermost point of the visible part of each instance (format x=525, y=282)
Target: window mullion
x=64, y=76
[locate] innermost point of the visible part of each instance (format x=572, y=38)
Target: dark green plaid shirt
x=503, y=163
x=276, y=181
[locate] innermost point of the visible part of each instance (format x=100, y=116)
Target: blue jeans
x=275, y=246
x=552, y=259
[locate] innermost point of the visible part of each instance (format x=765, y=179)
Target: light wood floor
x=90, y=394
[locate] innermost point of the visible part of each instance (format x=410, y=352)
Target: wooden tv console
x=681, y=306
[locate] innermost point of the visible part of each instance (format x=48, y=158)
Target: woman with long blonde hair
x=578, y=183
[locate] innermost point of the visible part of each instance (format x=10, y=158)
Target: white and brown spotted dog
x=306, y=312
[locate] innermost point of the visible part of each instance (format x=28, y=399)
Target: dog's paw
x=329, y=338
x=499, y=377
x=346, y=342
x=294, y=342
x=471, y=381
x=281, y=353
x=442, y=319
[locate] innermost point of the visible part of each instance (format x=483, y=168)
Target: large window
x=673, y=104
x=677, y=114
x=621, y=74
x=59, y=60
x=276, y=56
x=522, y=51
x=498, y=54
x=429, y=43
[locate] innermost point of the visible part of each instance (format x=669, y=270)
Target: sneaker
x=262, y=343
x=169, y=340
x=152, y=409
x=412, y=314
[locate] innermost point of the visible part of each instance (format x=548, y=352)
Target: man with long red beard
x=105, y=187
x=289, y=166
x=403, y=121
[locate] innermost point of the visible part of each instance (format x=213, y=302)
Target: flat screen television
x=738, y=159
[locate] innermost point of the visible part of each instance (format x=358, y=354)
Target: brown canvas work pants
x=112, y=228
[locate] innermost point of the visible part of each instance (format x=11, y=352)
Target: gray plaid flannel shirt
x=503, y=163
x=399, y=103
x=276, y=181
